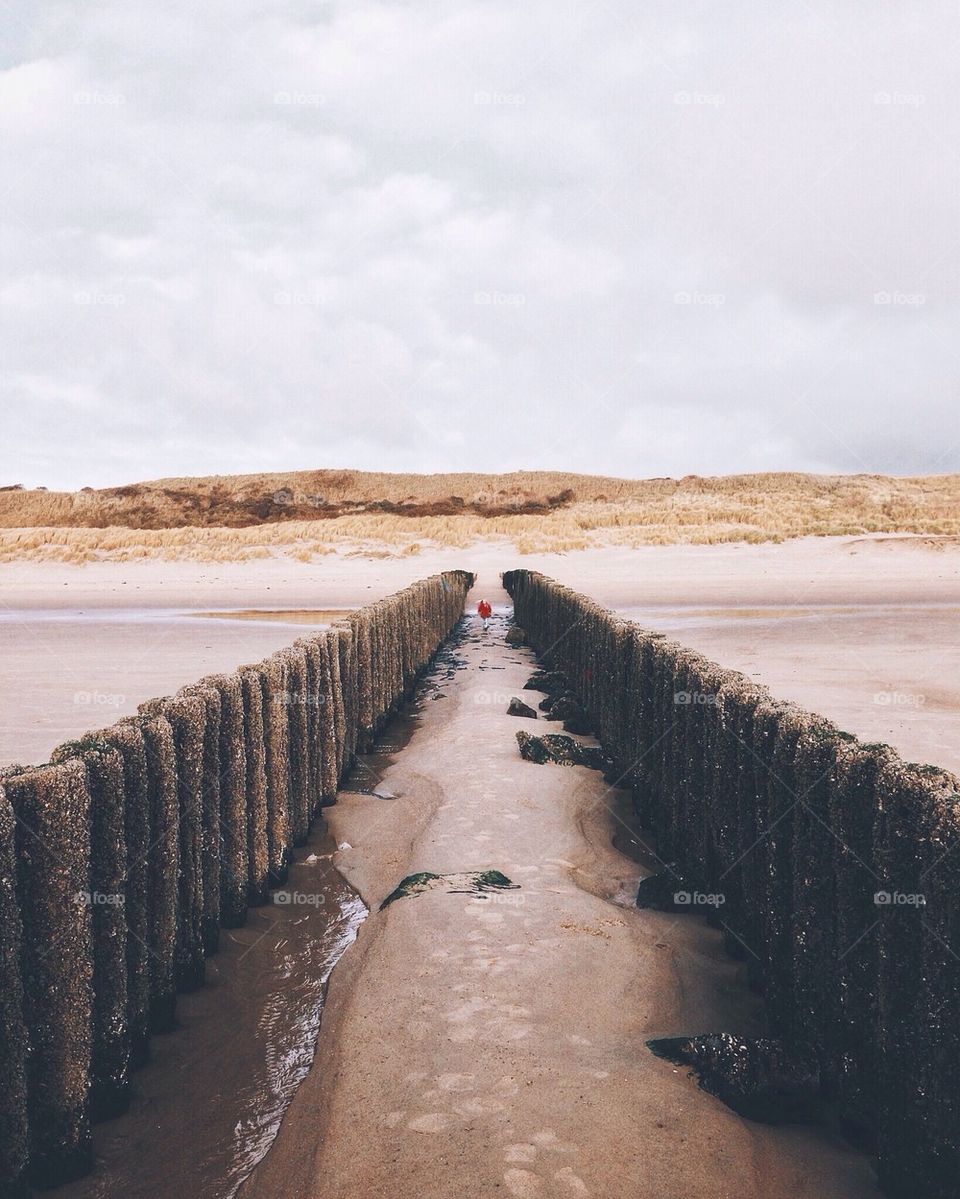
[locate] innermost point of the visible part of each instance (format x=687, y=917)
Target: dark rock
x=758, y=1078
x=562, y=750
x=578, y=724
x=518, y=708
x=565, y=707
x=470, y=882
x=546, y=680
x=516, y=636
x=665, y=892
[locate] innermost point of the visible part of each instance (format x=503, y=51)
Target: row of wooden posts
x=838, y=865
x=123, y=857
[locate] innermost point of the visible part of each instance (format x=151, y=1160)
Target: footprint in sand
x=472, y=1109
x=572, y=1183
x=456, y=1082
x=550, y=1143
x=432, y=1122
x=524, y=1184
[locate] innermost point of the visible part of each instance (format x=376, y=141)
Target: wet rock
x=579, y=725
x=471, y=882
x=516, y=636
x=758, y=1078
x=562, y=750
x=665, y=892
x=546, y=680
x=565, y=707
x=518, y=708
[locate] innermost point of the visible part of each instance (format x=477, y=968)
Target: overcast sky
x=638, y=239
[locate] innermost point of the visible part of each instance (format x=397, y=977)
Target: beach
x=494, y=1037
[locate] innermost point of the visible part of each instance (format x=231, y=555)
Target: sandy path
x=479, y=1047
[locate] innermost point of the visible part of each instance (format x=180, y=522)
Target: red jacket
x=484, y=609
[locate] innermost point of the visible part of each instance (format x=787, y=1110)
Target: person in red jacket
x=483, y=611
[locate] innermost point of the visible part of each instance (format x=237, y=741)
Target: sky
x=665, y=238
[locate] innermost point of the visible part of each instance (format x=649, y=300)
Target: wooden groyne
x=837, y=863
x=122, y=858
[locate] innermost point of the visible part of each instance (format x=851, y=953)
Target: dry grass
x=533, y=512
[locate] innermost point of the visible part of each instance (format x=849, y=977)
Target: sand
x=862, y=630
x=474, y=1047
x=481, y=1046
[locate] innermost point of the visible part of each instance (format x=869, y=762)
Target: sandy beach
x=502, y=1039
x=484, y=1045
x=862, y=630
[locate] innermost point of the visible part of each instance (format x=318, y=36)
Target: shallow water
x=63, y=673
x=207, y=1106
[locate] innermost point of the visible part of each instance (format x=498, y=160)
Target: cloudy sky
x=638, y=239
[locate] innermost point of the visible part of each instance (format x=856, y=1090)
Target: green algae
x=473, y=882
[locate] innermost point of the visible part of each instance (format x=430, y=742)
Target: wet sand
x=63, y=673
x=218, y=1086
x=497, y=1042
x=886, y=673
x=829, y=622
x=207, y=1107
x=314, y=617
x=496, y=1045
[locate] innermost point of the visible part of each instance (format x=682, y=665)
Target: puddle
x=309, y=616
x=366, y=777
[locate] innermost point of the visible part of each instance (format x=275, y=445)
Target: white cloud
x=637, y=239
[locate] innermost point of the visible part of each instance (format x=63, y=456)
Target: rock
x=664, y=892
x=578, y=724
x=546, y=680
x=518, y=708
x=565, y=707
x=516, y=636
x=758, y=1078
x=562, y=750
x=471, y=882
